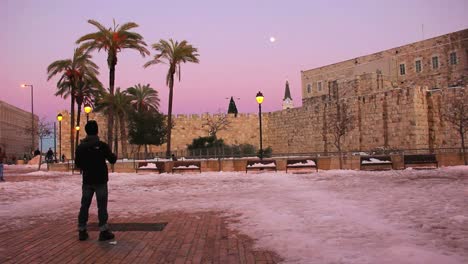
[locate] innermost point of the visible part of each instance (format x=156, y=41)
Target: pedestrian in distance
x=50, y=155
x=90, y=158
x=2, y=159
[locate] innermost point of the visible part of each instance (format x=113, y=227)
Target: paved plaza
x=409, y=216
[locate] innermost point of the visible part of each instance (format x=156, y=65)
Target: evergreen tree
x=232, y=107
x=147, y=128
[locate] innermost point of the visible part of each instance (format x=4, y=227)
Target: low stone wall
x=323, y=163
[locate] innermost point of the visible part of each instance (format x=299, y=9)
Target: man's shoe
x=106, y=235
x=83, y=235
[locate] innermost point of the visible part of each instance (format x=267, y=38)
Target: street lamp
x=259, y=98
x=59, y=118
x=77, y=128
x=87, y=109
x=32, y=113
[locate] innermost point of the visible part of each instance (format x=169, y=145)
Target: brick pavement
x=188, y=238
x=202, y=237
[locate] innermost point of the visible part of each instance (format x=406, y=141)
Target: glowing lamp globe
x=259, y=98
x=88, y=108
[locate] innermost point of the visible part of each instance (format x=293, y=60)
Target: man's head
x=91, y=128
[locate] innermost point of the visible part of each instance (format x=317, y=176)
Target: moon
x=272, y=39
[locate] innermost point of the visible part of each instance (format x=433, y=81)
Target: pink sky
x=236, y=57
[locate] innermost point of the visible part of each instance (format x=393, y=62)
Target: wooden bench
x=419, y=159
x=185, y=165
x=268, y=164
x=376, y=162
x=301, y=163
x=146, y=166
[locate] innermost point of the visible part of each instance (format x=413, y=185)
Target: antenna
x=422, y=31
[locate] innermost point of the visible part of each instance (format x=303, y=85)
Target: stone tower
x=287, y=100
x=232, y=109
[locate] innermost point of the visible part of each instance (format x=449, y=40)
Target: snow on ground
x=410, y=216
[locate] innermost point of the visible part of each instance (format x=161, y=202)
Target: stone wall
x=401, y=118
x=390, y=118
x=242, y=129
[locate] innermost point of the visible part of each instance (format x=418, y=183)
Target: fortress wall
x=401, y=118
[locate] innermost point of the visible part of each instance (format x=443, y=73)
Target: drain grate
x=148, y=227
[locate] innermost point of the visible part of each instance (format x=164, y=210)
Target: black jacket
x=91, y=156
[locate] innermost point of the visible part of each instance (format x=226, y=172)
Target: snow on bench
x=145, y=165
x=186, y=165
x=301, y=163
x=260, y=165
x=376, y=162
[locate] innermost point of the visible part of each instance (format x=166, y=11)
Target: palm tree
x=86, y=92
x=72, y=72
x=120, y=103
x=112, y=40
x=143, y=98
x=173, y=54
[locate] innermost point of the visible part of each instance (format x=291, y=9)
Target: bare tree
x=44, y=130
x=340, y=122
x=216, y=123
x=455, y=112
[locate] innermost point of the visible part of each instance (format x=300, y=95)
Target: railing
x=223, y=153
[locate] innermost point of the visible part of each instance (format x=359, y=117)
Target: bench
x=186, y=166
x=301, y=163
x=268, y=164
x=376, y=162
x=419, y=159
x=148, y=166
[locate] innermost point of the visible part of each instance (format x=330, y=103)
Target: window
x=308, y=88
x=402, y=69
x=417, y=66
x=319, y=86
x=453, y=58
x=435, y=62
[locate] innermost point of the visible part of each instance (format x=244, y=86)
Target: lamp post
x=87, y=109
x=259, y=98
x=55, y=142
x=77, y=128
x=32, y=113
x=59, y=118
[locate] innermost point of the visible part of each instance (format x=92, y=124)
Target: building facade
x=15, y=131
x=434, y=63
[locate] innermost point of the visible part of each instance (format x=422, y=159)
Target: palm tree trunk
x=72, y=122
x=123, y=136
x=116, y=141
x=78, y=117
x=110, y=117
x=169, y=116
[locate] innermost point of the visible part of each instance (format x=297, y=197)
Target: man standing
x=2, y=159
x=91, y=156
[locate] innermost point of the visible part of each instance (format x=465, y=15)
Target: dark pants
x=86, y=198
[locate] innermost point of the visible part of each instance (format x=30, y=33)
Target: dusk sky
x=236, y=56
